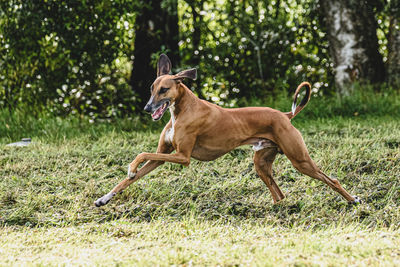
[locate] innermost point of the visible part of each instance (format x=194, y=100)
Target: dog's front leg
x=154, y=160
x=178, y=157
x=182, y=156
x=148, y=167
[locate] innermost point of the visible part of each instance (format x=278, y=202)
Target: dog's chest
x=169, y=134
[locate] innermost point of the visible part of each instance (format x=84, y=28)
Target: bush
x=66, y=57
x=364, y=101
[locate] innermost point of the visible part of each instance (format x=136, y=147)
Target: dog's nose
x=147, y=108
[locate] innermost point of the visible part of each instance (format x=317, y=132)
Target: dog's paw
x=131, y=174
x=356, y=201
x=104, y=199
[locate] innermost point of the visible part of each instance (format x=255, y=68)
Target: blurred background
x=97, y=59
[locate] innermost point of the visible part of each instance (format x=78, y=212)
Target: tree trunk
x=156, y=31
x=393, y=62
x=353, y=43
x=196, y=40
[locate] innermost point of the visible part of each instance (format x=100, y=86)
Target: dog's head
x=165, y=89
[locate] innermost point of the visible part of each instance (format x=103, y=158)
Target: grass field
x=210, y=213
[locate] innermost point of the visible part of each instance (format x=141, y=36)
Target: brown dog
x=205, y=131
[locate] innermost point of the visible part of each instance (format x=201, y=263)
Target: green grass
x=194, y=242
x=363, y=101
x=210, y=213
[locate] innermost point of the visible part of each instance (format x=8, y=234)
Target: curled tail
x=296, y=109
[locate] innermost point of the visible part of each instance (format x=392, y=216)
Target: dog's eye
x=163, y=90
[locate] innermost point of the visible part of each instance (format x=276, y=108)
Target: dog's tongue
x=157, y=114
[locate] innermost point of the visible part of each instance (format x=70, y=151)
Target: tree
x=393, y=63
x=156, y=30
x=198, y=23
x=59, y=55
x=353, y=42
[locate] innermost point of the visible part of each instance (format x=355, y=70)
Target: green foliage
x=248, y=48
x=75, y=57
x=67, y=57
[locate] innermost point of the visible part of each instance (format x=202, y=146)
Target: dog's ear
x=190, y=73
x=163, y=65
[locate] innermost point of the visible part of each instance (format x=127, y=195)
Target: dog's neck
x=184, y=101
x=172, y=111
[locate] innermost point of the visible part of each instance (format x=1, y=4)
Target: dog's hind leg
x=292, y=144
x=308, y=167
x=263, y=160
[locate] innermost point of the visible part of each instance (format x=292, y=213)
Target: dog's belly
x=209, y=147
x=207, y=154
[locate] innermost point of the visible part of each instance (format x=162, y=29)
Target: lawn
x=210, y=213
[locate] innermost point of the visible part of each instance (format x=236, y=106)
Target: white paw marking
x=131, y=175
x=104, y=199
x=357, y=199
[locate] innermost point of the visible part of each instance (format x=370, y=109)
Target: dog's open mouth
x=160, y=111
